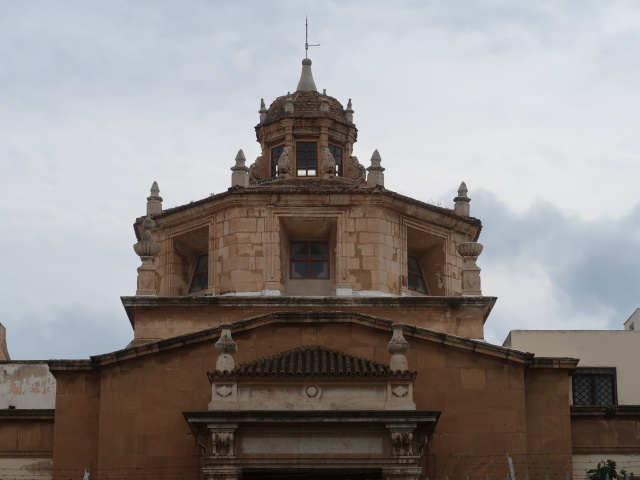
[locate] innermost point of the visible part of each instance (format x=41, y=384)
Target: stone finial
x=262, y=111
x=240, y=175
x=288, y=104
x=349, y=112
x=306, y=83
x=470, y=251
x=375, y=176
x=462, y=201
x=154, y=201
x=324, y=102
x=398, y=346
x=146, y=249
x=225, y=347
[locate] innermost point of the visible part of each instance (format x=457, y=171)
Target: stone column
x=147, y=249
x=470, y=271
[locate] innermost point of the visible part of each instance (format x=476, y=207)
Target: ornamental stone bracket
x=147, y=249
x=402, y=439
x=222, y=438
x=470, y=271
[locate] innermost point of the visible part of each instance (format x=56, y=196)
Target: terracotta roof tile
x=312, y=360
x=305, y=105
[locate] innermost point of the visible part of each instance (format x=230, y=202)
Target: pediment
x=312, y=361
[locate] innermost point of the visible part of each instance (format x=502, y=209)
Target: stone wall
x=490, y=406
x=247, y=238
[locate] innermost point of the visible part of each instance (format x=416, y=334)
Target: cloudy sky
x=535, y=105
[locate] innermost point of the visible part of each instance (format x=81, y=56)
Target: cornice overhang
x=422, y=417
x=479, y=347
x=331, y=304
x=309, y=188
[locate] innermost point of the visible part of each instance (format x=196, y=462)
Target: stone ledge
x=610, y=412
x=27, y=414
x=314, y=416
x=131, y=303
x=555, y=362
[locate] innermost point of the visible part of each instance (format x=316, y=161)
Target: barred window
x=594, y=386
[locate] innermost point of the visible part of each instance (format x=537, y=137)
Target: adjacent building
x=605, y=392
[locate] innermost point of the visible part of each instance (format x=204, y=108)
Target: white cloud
x=534, y=102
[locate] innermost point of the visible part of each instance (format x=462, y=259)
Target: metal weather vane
x=306, y=38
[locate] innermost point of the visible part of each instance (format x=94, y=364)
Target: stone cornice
x=310, y=189
x=475, y=346
x=314, y=416
x=131, y=303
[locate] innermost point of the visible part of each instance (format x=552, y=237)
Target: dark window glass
x=275, y=156
x=337, y=154
x=306, y=159
x=200, y=279
x=309, y=260
x=594, y=386
x=415, y=277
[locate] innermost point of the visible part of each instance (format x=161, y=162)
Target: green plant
x=605, y=468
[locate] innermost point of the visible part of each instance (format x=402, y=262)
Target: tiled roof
x=305, y=105
x=312, y=360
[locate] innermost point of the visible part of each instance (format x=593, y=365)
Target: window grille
x=594, y=386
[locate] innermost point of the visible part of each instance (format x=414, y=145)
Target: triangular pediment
x=313, y=360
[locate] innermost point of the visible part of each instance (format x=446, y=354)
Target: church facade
x=308, y=322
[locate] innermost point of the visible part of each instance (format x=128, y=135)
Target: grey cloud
x=593, y=263
x=75, y=330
